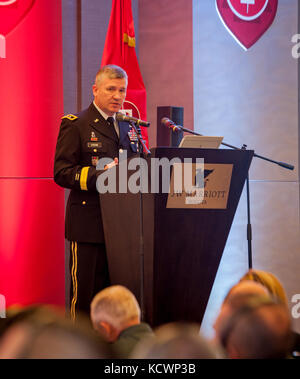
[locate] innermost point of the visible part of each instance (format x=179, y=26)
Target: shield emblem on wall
x=247, y=20
x=12, y=12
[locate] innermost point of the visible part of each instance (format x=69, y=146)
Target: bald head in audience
x=236, y=297
x=258, y=329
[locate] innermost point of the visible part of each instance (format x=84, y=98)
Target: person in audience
x=116, y=316
x=176, y=341
x=236, y=297
x=269, y=281
x=44, y=333
x=14, y=314
x=258, y=328
x=247, y=287
x=276, y=289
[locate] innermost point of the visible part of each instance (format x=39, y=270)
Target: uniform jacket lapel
x=124, y=129
x=100, y=124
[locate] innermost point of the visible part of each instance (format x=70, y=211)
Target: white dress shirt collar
x=103, y=114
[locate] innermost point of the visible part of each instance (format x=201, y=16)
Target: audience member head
x=16, y=313
x=269, y=281
x=237, y=296
x=45, y=333
x=258, y=329
x=246, y=288
x=175, y=341
x=113, y=310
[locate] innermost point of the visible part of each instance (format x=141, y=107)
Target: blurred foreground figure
x=44, y=333
x=237, y=296
x=254, y=327
x=116, y=316
x=275, y=289
x=176, y=341
x=269, y=281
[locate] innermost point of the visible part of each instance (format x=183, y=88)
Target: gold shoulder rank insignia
x=70, y=117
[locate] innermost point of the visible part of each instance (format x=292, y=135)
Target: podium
x=182, y=245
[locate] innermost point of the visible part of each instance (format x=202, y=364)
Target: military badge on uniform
x=132, y=135
x=93, y=145
x=70, y=117
x=95, y=160
x=93, y=137
x=134, y=141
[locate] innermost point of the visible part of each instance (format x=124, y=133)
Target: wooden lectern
x=182, y=247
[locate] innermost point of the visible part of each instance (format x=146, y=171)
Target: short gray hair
x=116, y=305
x=112, y=71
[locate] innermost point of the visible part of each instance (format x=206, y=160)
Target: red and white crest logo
x=130, y=109
x=7, y=2
x=247, y=20
x=12, y=12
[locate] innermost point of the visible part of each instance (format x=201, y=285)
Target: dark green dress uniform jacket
x=82, y=140
x=130, y=337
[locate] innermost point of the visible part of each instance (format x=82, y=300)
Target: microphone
x=123, y=117
x=171, y=124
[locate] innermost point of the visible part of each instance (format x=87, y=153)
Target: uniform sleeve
x=68, y=172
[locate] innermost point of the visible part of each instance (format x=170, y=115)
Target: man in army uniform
x=84, y=139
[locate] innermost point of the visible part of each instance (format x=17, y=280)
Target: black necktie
x=111, y=123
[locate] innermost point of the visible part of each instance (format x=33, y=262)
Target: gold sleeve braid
x=83, y=178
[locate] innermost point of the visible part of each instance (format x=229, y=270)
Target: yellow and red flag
x=119, y=49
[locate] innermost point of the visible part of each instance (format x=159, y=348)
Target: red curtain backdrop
x=31, y=105
x=119, y=49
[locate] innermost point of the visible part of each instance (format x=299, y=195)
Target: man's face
x=109, y=94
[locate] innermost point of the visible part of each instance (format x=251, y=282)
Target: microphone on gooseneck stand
x=123, y=117
x=171, y=124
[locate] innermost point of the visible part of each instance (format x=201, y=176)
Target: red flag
x=119, y=49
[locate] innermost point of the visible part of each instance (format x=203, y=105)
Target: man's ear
x=103, y=328
x=107, y=331
x=94, y=89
